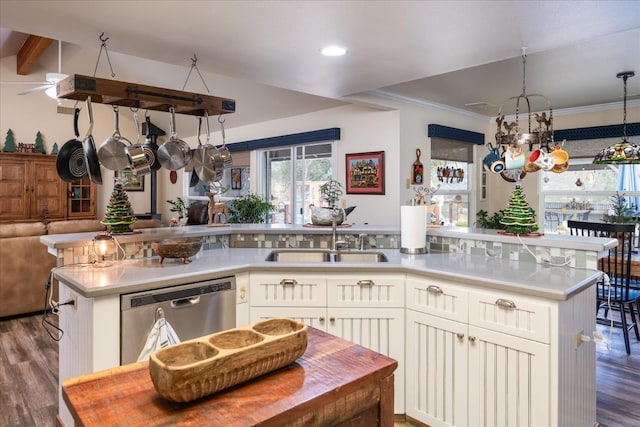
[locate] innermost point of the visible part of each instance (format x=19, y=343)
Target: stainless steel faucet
x=361, y=238
x=335, y=214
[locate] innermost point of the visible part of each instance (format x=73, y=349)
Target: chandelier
x=515, y=141
x=623, y=152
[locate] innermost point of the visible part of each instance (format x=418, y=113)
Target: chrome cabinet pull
x=505, y=303
x=367, y=282
x=288, y=282
x=433, y=289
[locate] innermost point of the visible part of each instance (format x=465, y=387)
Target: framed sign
x=130, y=182
x=365, y=172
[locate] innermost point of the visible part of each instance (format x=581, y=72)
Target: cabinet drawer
x=287, y=290
x=361, y=290
x=315, y=317
x=511, y=314
x=437, y=297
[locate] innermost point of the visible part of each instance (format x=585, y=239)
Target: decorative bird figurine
x=509, y=127
x=542, y=118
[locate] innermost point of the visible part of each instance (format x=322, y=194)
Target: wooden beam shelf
x=113, y=92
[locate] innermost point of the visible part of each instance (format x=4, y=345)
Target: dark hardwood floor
x=29, y=376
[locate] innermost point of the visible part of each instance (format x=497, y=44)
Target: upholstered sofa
x=25, y=264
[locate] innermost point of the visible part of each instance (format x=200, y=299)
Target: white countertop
x=557, y=283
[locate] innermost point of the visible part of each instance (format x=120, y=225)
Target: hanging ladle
x=224, y=151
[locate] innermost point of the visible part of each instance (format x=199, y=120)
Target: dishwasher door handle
x=185, y=302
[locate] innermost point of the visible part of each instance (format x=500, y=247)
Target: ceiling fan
x=51, y=79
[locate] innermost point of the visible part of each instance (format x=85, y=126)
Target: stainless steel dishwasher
x=192, y=309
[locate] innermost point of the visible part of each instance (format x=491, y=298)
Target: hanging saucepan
x=194, y=175
x=90, y=152
x=135, y=152
x=175, y=153
x=70, y=162
x=151, y=148
x=207, y=161
x=224, y=151
x=112, y=153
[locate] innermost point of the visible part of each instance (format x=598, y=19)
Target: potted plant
x=330, y=193
x=620, y=211
x=249, y=209
x=180, y=207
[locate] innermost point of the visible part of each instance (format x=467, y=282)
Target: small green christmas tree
x=40, y=143
x=9, y=142
x=119, y=214
x=519, y=217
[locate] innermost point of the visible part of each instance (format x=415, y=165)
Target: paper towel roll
x=413, y=229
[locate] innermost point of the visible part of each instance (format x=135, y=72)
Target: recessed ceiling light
x=333, y=51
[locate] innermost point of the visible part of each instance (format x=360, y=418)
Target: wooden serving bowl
x=177, y=248
x=196, y=368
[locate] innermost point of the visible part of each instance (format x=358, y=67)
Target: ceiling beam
x=30, y=52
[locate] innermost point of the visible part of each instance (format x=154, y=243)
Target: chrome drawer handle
x=505, y=303
x=288, y=282
x=366, y=282
x=433, y=289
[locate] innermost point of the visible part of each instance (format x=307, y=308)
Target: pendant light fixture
x=623, y=152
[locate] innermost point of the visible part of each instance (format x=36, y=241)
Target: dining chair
x=614, y=290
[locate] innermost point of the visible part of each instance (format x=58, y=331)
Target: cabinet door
x=315, y=317
x=47, y=190
x=366, y=290
x=436, y=370
x=381, y=330
x=14, y=190
x=508, y=380
x=288, y=290
x=81, y=201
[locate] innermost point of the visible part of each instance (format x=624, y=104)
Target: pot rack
x=104, y=91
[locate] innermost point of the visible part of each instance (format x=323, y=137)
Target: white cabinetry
x=476, y=357
x=364, y=308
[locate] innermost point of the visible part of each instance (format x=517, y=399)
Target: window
x=453, y=195
x=292, y=178
x=585, y=191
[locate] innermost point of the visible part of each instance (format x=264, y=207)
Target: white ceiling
x=447, y=52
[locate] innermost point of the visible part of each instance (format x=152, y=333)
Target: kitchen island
x=439, y=309
x=306, y=392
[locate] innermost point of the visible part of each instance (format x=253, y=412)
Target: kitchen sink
x=299, y=255
x=360, y=256
x=319, y=255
